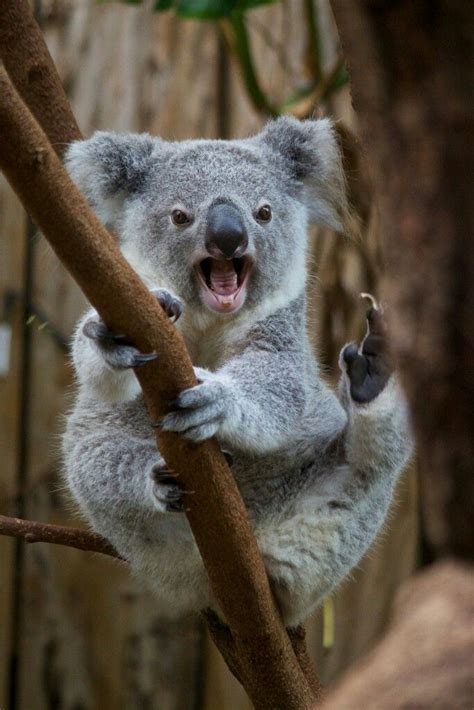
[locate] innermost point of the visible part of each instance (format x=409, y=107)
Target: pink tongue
x=223, y=277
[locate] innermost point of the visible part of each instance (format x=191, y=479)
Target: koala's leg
x=340, y=513
x=309, y=554
x=104, y=360
x=120, y=480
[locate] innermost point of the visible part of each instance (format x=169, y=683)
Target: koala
x=217, y=229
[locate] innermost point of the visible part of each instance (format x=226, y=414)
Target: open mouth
x=223, y=282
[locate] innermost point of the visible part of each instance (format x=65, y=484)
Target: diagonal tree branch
x=28, y=62
x=115, y=290
x=270, y=671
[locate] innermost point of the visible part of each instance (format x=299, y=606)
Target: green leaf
x=205, y=9
x=249, y=4
x=340, y=79
x=163, y=5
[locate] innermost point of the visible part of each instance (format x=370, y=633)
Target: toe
x=175, y=309
x=171, y=305
x=350, y=353
x=376, y=321
x=97, y=330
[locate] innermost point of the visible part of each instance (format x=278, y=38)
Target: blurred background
x=76, y=631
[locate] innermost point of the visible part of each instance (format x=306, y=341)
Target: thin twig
x=238, y=42
x=314, y=58
x=32, y=531
x=330, y=81
x=272, y=43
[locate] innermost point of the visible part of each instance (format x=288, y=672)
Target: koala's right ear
x=108, y=167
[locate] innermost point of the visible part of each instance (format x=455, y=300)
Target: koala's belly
x=108, y=451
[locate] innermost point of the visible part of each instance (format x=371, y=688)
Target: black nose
x=226, y=235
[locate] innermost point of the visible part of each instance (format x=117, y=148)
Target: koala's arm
x=96, y=377
x=257, y=398
x=104, y=361
x=268, y=399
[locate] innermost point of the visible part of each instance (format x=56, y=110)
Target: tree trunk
x=412, y=90
x=411, y=72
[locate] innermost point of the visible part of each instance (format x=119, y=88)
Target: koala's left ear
x=312, y=155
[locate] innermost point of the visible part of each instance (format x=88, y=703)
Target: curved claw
x=171, y=305
x=97, y=330
x=175, y=310
x=374, y=303
x=142, y=358
x=376, y=322
x=167, y=490
x=228, y=457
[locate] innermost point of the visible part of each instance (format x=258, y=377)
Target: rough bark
x=32, y=71
x=425, y=659
x=411, y=71
x=272, y=676
x=224, y=640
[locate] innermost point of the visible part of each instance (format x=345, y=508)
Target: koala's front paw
x=166, y=493
x=116, y=350
x=171, y=305
x=369, y=366
x=202, y=410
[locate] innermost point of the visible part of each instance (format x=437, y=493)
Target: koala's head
x=221, y=223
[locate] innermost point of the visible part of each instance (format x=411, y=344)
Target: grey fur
x=315, y=470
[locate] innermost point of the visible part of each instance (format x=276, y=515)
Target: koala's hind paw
x=171, y=305
x=167, y=494
x=369, y=366
x=115, y=349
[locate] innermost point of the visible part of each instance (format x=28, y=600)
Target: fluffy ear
x=312, y=156
x=108, y=167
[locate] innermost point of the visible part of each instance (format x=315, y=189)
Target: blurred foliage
x=231, y=16
x=205, y=9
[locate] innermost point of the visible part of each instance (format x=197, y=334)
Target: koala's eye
x=180, y=218
x=264, y=213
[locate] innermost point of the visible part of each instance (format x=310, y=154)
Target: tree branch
x=270, y=671
x=412, y=90
x=31, y=531
x=32, y=70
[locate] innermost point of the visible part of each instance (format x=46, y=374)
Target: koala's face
x=221, y=223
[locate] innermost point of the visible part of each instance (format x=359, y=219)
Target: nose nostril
x=225, y=234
